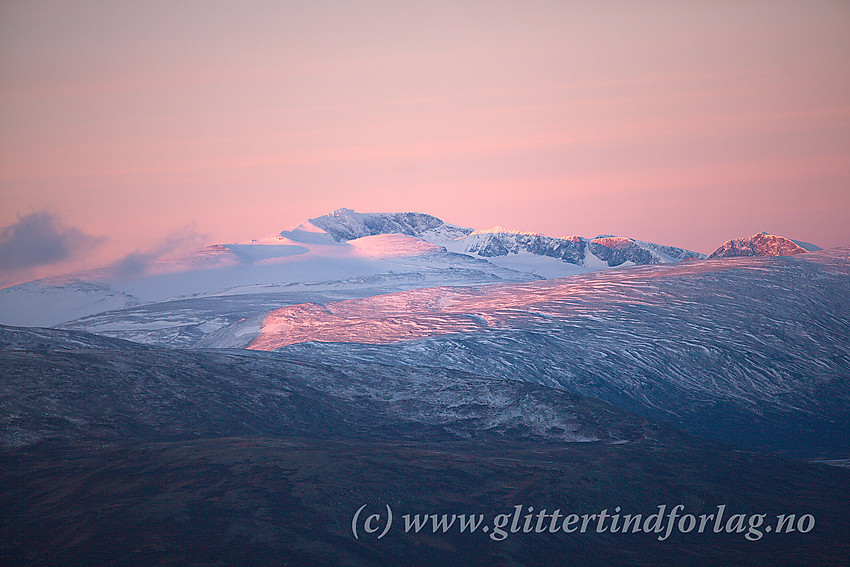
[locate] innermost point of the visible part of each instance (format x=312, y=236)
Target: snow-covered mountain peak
x=515, y=249
x=341, y=253
x=760, y=244
x=614, y=242
x=345, y=224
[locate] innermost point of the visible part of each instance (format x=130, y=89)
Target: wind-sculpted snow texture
x=113, y=453
x=73, y=386
x=754, y=351
x=197, y=321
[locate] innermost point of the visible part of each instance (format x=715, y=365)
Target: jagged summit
x=346, y=224
x=761, y=244
x=605, y=251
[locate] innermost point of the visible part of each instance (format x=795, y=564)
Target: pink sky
x=685, y=123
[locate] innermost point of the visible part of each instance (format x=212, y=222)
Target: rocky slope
x=760, y=244
x=162, y=457
x=752, y=351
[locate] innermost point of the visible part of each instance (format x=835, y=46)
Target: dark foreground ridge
x=167, y=457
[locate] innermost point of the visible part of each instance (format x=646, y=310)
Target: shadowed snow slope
x=71, y=385
x=750, y=350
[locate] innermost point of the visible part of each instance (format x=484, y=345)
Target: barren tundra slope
x=115, y=456
x=752, y=351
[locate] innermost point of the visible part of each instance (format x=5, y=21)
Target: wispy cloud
x=137, y=262
x=40, y=239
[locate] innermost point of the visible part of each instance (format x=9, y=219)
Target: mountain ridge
x=762, y=244
x=345, y=224
x=343, y=252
